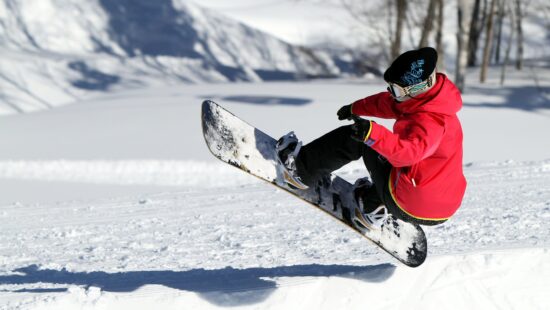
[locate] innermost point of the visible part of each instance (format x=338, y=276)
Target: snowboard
x=242, y=145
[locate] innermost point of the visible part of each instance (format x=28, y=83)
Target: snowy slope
x=180, y=245
x=255, y=247
x=55, y=52
x=115, y=203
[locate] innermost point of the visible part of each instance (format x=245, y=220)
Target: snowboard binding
x=369, y=213
x=287, y=148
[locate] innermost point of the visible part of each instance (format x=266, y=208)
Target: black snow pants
x=336, y=149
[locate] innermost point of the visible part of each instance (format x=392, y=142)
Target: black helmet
x=412, y=67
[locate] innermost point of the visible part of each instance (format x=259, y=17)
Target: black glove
x=360, y=129
x=345, y=113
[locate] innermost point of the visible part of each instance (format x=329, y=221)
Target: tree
x=488, y=43
x=463, y=11
x=401, y=6
x=500, y=22
x=519, y=30
x=509, y=46
x=439, y=36
x=428, y=24
x=375, y=20
x=476, y=27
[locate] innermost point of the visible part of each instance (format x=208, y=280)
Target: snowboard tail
x=240, y=144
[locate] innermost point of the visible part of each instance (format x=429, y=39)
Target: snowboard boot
x=365, y=195
x=287, y=149
x=371, y=213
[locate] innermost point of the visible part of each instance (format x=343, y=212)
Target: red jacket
x=425, y=148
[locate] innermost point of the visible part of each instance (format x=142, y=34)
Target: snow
x=109, y=198
x=326, y=287
x=115, y=202
x=58, y=52
x=298, y=22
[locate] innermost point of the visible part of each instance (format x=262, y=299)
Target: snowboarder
x=416, y=169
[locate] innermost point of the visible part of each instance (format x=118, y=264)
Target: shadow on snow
x=526, y=98
x=160, y=28
x=153, y=28
x=260, y=100
x=92, y=79
x=224, y=287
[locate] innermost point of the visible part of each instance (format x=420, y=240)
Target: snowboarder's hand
x=345, y=113
x=360, y=129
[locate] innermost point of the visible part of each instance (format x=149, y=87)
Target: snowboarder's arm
x=420, y=141
x=379, y=105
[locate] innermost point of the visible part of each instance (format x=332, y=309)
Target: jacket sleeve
x=418, y=142
x=379, y=105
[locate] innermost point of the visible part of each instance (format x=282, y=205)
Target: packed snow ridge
x=56, y=51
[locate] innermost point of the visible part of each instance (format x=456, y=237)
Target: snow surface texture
x=55, y=52
x=253, y=246
x=116, y=202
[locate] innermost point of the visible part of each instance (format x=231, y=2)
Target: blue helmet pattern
x=414, y=75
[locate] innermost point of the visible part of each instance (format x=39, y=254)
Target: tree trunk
x=519, y=30
x=501, y=5
x=428, y=24
x=439, y=36
x=388, y=53
x=509, y=46
x=488, y=43
x=400, y=19
x=475, y=30
x=463, y=11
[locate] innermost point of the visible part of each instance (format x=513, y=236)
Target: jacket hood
x=443, y=98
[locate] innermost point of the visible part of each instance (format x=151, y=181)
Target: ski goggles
x=401, y=92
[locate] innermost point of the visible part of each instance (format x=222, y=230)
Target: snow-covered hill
x=54, y=52
x=116, y=203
